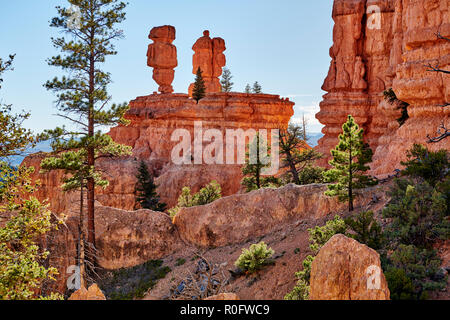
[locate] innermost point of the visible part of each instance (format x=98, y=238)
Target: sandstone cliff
x=382, y=44
x=154, y=119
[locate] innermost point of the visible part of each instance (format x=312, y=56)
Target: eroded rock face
x=123, y=239
x=344, y=269
x=238, y=218
x=130, y=238
x=154, y=119
x=162, y=56
x=210, y=59
x=384, y=50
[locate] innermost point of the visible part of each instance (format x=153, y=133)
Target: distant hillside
x=40, y=147
x=314, y=137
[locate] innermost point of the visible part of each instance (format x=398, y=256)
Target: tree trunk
x=82, y=237
x=293, y=169
x=90, y=149
x=350, y=183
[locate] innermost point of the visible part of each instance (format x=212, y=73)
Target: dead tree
x=443, y=131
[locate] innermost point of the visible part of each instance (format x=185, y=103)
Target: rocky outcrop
x=123, y=239
x=210, y=59
x=155, y=121
x=93, y=293
x=344, y=269
x=130, y=238
x=381, y=44
x=238, y=218
x=162, y=56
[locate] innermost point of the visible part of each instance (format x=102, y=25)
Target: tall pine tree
x=248, y=89
x=199, y=90
x=146, y=196
x=82, y=96
x=226, y=83
x=350, y=159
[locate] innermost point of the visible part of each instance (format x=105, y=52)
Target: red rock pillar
x=162, y=56
x=209, y=57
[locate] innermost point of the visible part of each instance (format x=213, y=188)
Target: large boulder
x=345, y=269
x=237, y=218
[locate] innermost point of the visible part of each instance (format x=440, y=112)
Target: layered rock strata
x=382, y=44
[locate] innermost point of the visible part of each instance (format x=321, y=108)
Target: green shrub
x=428, y=165
x=411, y=272
x=208, y=194
x=255, y=258
x=318, y=236
x=366, y=229
x=400, y=286
x=418, y=214
x=311, y=175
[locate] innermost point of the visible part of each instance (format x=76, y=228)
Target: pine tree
x=14, y=138
x=6, y=65
x=83, y=99
x=146, y=196
x=248, y=89
x=252, y=170
x=199, y=90
x=226, y=83
x=293, y=148
x=350, y=159
x=257, y=88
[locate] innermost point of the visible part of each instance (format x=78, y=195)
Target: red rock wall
x=366, y=61
x=153, y=120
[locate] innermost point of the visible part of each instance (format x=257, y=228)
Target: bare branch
x=440, y=36
x=436, y=69
x=442, y=132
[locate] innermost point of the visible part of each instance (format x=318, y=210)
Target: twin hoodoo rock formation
x=162, y=56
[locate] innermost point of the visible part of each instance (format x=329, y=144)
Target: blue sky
x=283, y=44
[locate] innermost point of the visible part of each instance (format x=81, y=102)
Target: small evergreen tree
x=350, y=159
x=226, y=83
x=199, y=90
x=210, y=193
x=252, y=170
x=257, y=88
x=248, y=89
x=255, y=258
x=432, y=166
x=146, y=196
